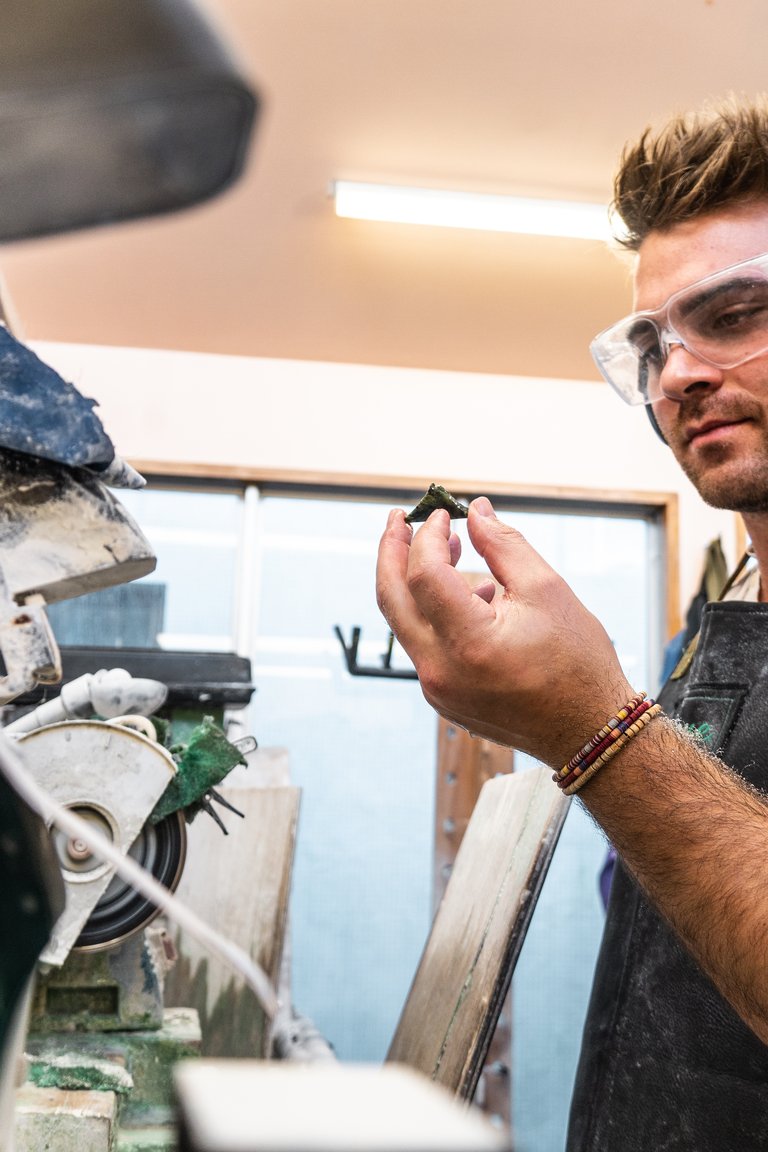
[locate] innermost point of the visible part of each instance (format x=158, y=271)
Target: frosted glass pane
x=362, y=751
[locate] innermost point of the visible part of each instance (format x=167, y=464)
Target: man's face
x=715, y=420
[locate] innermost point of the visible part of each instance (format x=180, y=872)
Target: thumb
x=510, y=558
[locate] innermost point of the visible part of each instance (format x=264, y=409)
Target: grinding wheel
x=112, y=777
x=161, y=850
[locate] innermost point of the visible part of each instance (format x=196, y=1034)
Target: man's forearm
x=695, y=836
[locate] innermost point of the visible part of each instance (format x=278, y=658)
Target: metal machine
x=96, y=750
x=102, y=752
x=110, y=111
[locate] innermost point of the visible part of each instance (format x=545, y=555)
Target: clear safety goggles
x=721, y=320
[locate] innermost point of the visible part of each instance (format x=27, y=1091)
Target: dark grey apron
x=666, y=1064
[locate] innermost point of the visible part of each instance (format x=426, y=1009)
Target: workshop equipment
x=62, y=533
x=31, y=898
x=112, y=110
x=99, y=995
x=108, y=111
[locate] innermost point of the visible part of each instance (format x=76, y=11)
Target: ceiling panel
x=492, y=95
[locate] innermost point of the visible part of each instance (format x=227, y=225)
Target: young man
x=674, y=1052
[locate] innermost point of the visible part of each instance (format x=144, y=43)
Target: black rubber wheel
x=160, y=849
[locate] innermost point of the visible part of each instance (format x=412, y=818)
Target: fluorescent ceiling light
x=483, y=211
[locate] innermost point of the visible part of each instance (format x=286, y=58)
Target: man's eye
x=730, y=315
x=739, y=318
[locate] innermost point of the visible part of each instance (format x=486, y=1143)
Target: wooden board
x=464, y=764
x=240, y=884
x=465, y=970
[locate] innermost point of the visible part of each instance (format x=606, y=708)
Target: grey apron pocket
x=710, y=711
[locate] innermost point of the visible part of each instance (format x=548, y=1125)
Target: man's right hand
x=519, y=659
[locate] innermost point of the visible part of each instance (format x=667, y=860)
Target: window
x=270, y=572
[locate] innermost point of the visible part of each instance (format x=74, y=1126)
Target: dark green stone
x=437, y=497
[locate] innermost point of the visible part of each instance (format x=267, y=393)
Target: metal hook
x=386, y=669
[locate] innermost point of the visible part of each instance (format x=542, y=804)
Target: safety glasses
x=722, y=320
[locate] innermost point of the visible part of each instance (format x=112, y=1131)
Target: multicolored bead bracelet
x=603, y=739
x=604, y=745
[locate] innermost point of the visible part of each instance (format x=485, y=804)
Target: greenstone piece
x=437, y=497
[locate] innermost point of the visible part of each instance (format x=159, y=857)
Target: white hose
x=109, y=692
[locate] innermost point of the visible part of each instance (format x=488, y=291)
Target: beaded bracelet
x=601, y=741
x=620, y=716
x=605, y=744
x=587, y=775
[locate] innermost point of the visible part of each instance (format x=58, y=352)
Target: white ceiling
x=492, y=95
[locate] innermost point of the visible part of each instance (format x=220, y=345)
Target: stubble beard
x=725, y=481
x=725, y=475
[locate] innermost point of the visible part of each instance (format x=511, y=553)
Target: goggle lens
x=722, y=320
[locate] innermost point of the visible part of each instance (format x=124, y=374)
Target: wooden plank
x=464, y=974
x=240, y=884
x=464, y=764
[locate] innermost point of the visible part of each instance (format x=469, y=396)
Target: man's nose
x=684, y=373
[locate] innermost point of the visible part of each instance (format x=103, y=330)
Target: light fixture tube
x=484, y=211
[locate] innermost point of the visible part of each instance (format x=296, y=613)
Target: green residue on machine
x=201, y=763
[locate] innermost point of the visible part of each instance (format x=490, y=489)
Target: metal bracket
x=386, y=669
